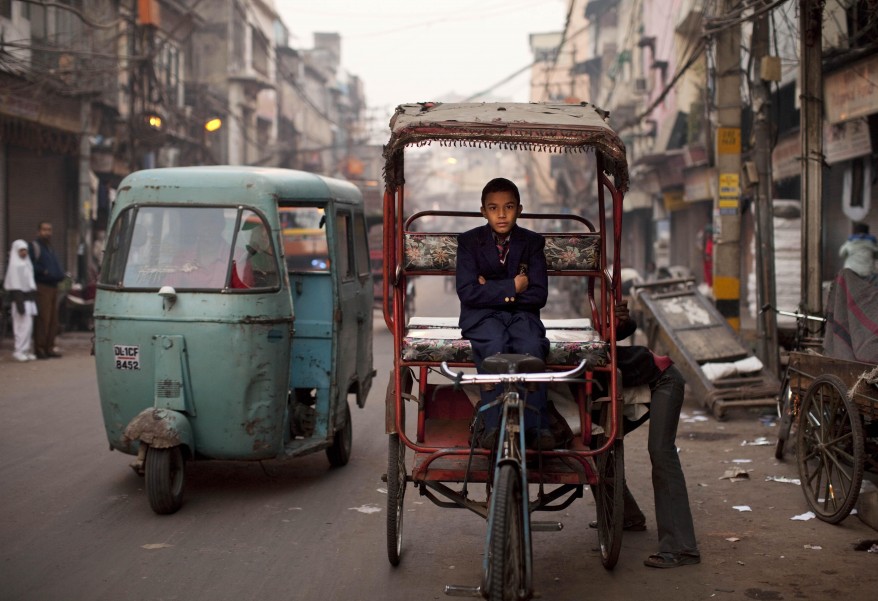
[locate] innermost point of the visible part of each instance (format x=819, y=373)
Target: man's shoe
x=539, y=439
x=488, y=439
x=42, y=355
x=53, y=354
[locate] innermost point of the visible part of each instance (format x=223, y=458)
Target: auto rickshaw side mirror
x=169, y=295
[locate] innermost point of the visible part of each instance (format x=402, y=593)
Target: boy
x=502, y=285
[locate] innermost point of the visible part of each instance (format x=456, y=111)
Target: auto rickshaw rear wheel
x=165, y=477
x=340, y=452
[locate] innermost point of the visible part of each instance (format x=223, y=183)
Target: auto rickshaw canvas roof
x=547, y=127
x=245, y=185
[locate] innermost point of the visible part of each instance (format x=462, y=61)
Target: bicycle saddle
x=508, y=363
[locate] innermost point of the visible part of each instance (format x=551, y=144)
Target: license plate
x=126, y=356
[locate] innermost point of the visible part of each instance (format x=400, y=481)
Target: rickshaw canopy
x=547, y=127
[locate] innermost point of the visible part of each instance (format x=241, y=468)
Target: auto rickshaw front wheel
x=165, y=476
x=340, y=452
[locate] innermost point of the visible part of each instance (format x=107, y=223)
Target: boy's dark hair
x=500, y=184
x=859, y=228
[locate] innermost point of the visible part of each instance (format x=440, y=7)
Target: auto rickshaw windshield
x=190, y=247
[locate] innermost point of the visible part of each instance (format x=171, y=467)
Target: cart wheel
x=609, y=502
x=830, y=449
x=785, y=413
x=396, y=474
x=340, y=452
x=506, y=578
x=165, y=476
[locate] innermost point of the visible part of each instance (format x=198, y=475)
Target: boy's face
x=502, y=211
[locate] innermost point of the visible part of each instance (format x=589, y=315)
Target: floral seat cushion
x=432, y=340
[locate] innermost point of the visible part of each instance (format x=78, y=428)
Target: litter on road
x=795, y=481
x=804, y=517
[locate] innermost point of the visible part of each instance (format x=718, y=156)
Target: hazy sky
x=415, y=50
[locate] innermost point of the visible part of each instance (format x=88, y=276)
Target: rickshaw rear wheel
x=830, y=449
x=340, y=452
x=396, y=473
x=165, y=477
x=609, y=502
x=506, y=578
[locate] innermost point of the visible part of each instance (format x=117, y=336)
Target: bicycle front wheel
x=507, y=554
x=786, y=412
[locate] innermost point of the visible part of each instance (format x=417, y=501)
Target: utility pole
x=727, y=210
x=811, y=84
x=767, y=69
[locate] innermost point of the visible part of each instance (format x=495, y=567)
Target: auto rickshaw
x=233, y=319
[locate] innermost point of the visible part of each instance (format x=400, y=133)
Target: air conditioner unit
x=640, y=84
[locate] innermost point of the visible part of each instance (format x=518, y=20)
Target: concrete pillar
x=727, y=210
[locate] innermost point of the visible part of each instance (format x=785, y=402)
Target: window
x=254, y=262
x=345, y=247
x=361, y=246
x=190, y=248
x=304, y=236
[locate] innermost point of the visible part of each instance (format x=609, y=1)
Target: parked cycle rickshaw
x=434, y=451
x=831, y=399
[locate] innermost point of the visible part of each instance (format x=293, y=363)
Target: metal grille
x=168, y=389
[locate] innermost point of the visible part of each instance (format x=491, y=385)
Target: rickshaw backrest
x=566, y=253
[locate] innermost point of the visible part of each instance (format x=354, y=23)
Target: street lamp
x=214, y=124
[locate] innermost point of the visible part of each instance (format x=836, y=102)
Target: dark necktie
x=502, y=249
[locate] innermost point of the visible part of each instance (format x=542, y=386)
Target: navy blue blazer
x=477, y=255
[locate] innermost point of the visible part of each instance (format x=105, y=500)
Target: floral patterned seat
x=436, y=339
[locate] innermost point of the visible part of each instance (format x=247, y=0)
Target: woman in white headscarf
x=19, y=284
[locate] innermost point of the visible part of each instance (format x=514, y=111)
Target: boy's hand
x=521, y=282
x=482, y=280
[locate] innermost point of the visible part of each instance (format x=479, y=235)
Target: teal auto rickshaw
x=233, y=319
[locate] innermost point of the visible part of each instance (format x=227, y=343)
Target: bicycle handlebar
x=795, y=314
x=549, y=376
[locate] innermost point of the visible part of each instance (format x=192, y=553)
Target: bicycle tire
x=830, y=449
x=506, y=562
x=396, y=474
x=786, y=415
x=609, y=503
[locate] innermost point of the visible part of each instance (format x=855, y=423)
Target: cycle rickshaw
x=433, y=452
x=831, y=397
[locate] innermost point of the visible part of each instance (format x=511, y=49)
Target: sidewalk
x=70, y=343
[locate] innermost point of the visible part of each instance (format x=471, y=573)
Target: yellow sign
x=674, y=200
x=728, y=140
x=729, y=185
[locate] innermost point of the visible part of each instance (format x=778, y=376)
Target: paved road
x=75, y=522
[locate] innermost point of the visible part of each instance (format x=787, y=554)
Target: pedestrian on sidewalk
x=19, y=284
x=48, y=274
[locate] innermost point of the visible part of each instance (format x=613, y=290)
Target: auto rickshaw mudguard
x=161, y=428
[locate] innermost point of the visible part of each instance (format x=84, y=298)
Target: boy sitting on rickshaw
x=502, y=283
